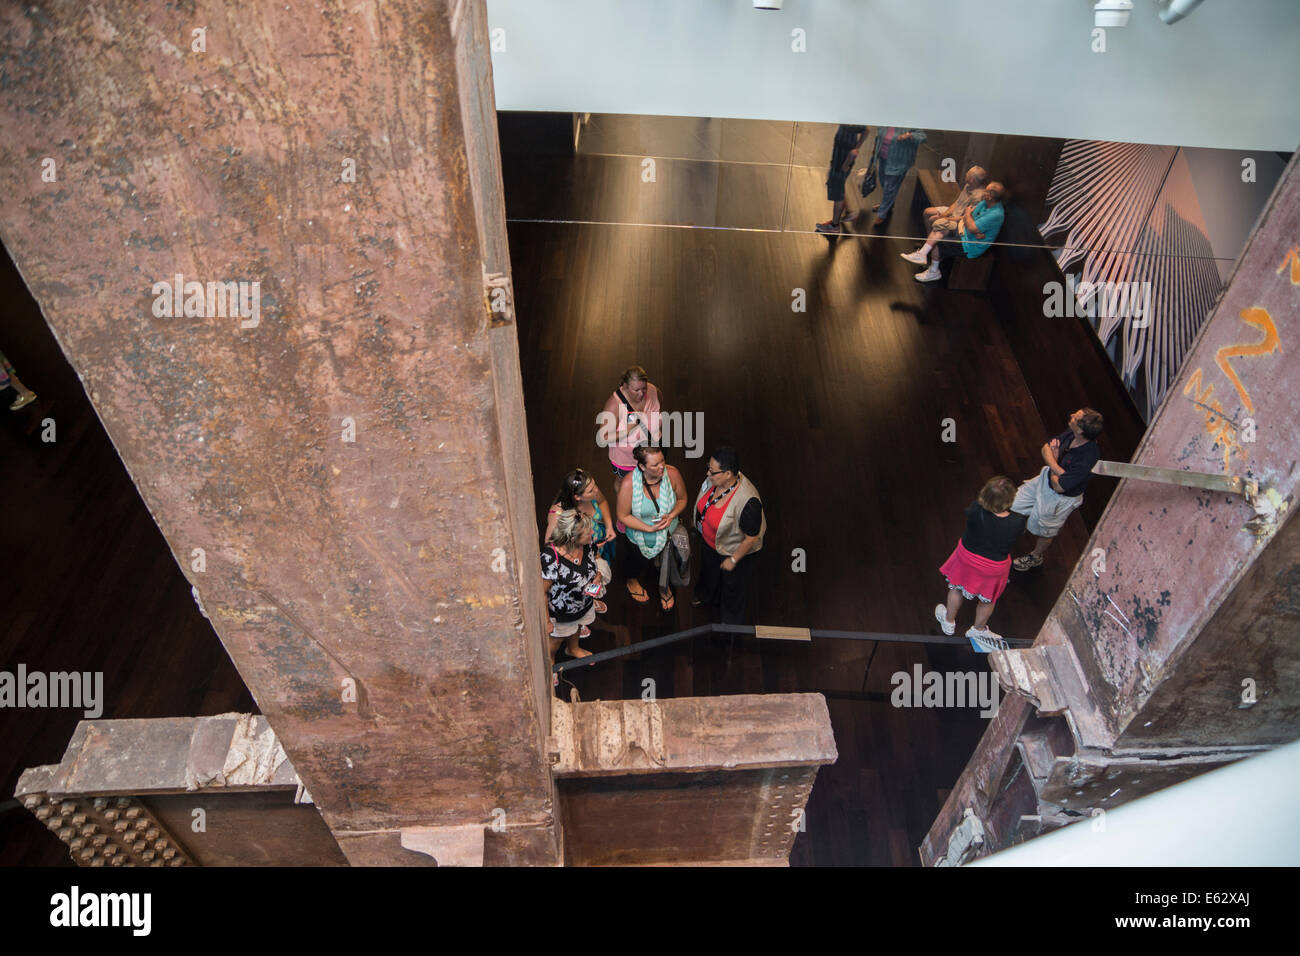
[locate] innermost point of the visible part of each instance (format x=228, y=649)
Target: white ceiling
x=1228, y=76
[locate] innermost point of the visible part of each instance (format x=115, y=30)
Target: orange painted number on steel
x=1217, y=424
x=1293, y=257
x=1271, y=343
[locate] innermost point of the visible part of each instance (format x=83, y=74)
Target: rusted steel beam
x=206, y=791
x=340, y=468
x=688, y=780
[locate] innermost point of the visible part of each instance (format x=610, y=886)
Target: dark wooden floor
x=837, y=414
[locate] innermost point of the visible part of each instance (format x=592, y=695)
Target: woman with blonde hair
x=630, y=418
x=978, y=568
x=573, y=582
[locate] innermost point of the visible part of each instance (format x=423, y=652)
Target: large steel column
x=1173, y=648
x=341, y=468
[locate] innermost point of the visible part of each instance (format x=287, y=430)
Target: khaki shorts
x=1047, y=508
x=572, y=627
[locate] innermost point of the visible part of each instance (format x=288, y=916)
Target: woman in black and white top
x=573, y=581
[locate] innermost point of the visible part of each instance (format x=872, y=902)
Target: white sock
x=925, y=249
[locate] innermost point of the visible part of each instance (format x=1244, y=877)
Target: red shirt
x=711, y=517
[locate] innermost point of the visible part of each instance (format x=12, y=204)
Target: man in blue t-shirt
x=1049, y=498
x=975, y=232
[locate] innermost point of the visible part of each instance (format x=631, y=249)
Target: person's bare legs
x=955, y=601
x=983, y=613
x=1040, y=545
x=572, y=648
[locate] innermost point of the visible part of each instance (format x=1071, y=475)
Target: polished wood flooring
x=837, y=414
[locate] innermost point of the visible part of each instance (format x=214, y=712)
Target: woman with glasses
x=649, y=502
x=730, y=519
x=579, y=492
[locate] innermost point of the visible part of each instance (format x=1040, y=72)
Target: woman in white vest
x=729, y=516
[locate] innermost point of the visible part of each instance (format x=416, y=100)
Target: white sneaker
x=931, y=274
x=917, y=257
x=984, y=640
x=941, y=615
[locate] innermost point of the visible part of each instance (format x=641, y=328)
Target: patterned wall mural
x=1137, y=253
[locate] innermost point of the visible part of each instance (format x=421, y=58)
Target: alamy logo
x=213, y=300
x=58, y=689
x=675, y=430
x=949, y=689
x=1107, y=300
x=75, y=908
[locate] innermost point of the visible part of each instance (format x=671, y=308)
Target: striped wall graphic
x=1130, y=215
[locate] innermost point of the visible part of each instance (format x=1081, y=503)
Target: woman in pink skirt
x=978, y=568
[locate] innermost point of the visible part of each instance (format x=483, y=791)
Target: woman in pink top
x=629, y=418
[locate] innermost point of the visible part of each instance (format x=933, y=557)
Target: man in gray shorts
x=1049, y=498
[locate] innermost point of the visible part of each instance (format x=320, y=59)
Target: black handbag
x=869, y=177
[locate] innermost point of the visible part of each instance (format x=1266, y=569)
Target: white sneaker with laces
x=915, y=257
x=941, y=615
x=984, y=640
x=931, y=274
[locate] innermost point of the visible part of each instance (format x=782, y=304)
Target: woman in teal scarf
x=648, y=506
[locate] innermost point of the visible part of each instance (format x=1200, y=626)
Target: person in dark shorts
x=978, y=568
x=844, y=153
x=1048, y=499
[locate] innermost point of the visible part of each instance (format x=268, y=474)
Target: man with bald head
x=976, y=178
x=976, y=231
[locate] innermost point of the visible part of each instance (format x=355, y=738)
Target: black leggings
x=727, y=589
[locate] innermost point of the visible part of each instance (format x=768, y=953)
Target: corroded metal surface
x=338, y=455
x=107, y=831
x=688, y=780
x=208, y=791
x=1172, y=556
